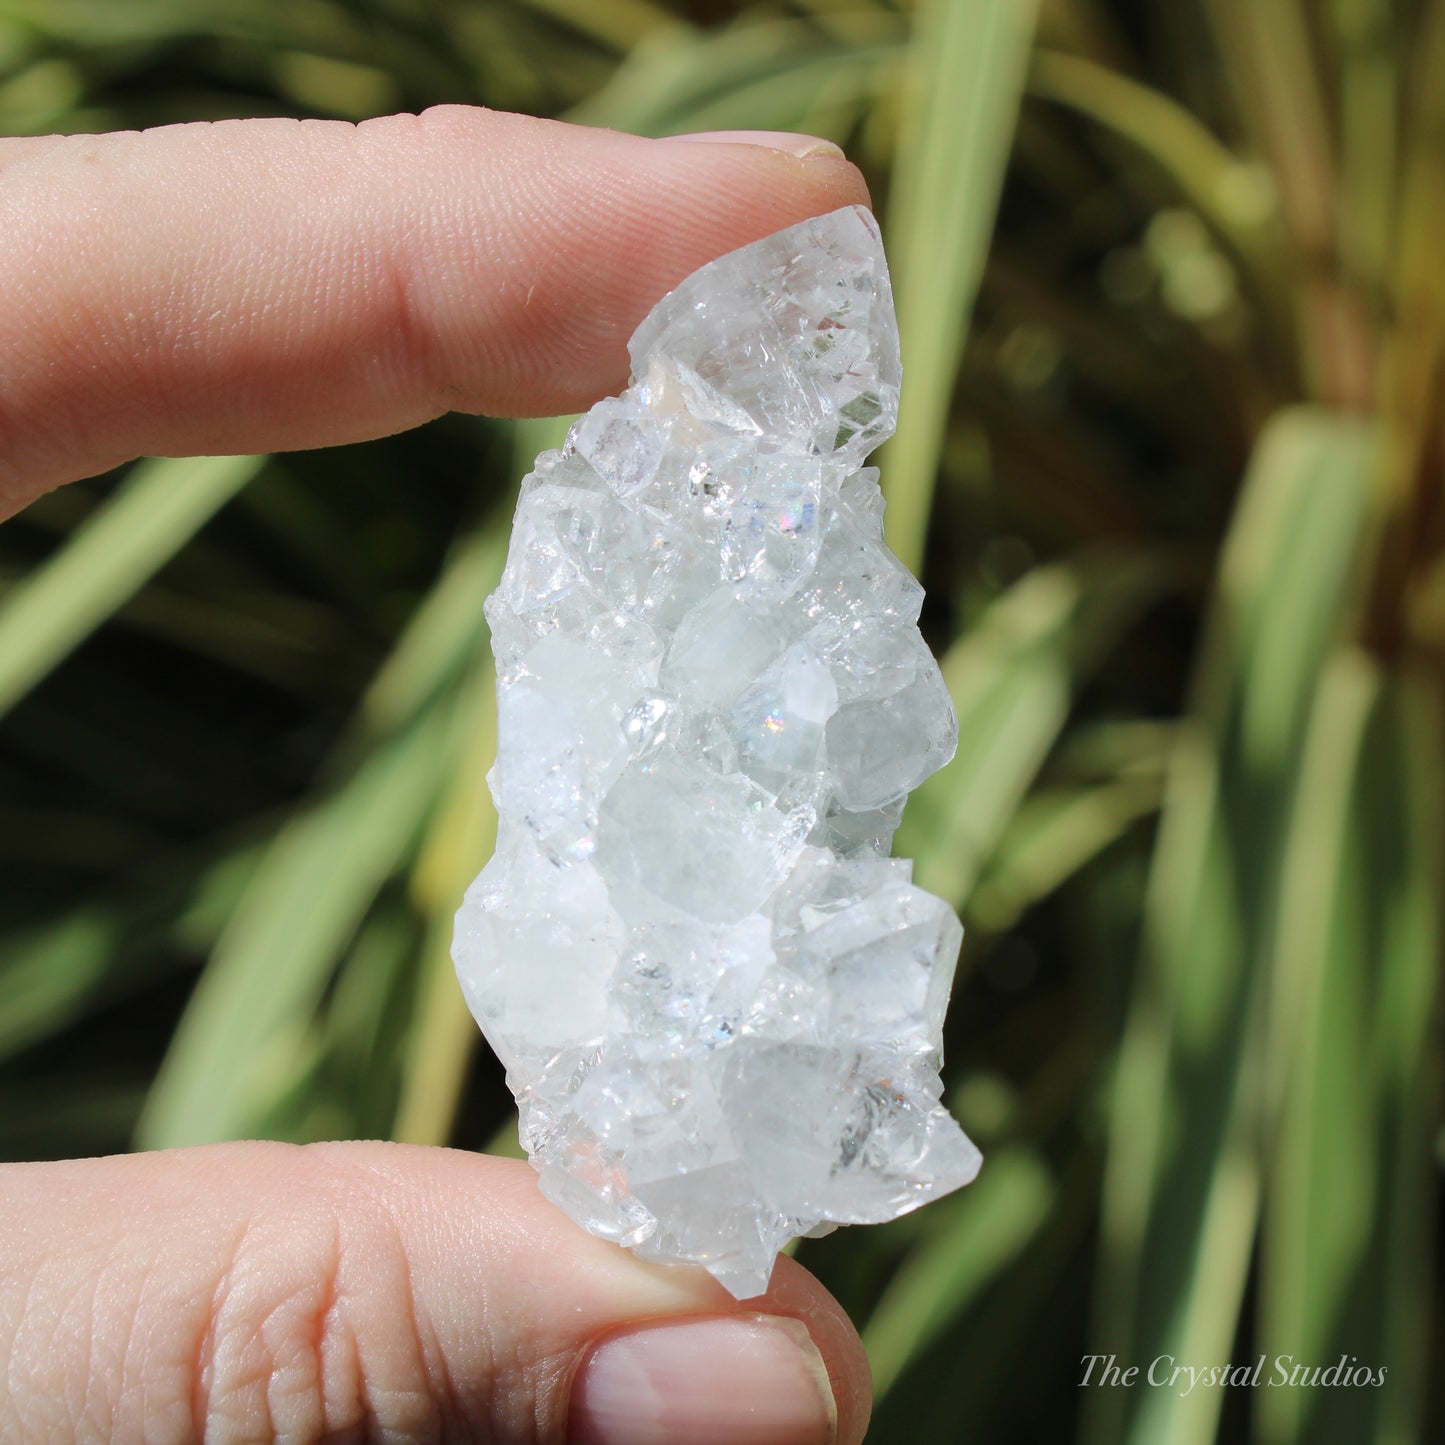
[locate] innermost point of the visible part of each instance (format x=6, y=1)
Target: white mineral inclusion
x=718, y=1000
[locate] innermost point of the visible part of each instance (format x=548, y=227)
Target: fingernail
x=733, y=1380
x=805, y=147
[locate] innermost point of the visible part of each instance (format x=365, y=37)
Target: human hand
x=255, y=286
x=382, y=1291
x=269, y=285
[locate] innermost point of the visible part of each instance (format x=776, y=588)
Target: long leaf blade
x=1012, y=678
x=1183, y=1189
x=271, y=965
x=1360, y=942
x=983, y=1230
x=159, y=507
x=967, y=64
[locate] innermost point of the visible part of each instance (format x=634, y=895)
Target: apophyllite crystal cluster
x=718, y=1000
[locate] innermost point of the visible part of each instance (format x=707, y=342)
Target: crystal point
x=719, y=1002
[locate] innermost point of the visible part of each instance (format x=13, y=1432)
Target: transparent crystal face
x=719, y=1002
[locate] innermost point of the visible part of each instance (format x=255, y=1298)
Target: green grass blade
x=1406, y=1062
x=1414, y=353
x=56, y=973
x=366, y=1015
x=39, y=96
x=799, y=95
x=443, y=1032
x=758, y=75
x=1359, y=943
x=1053, y=834
x=1184, y=1179
x=442, y=634
x=261, y=987
x=973, y=1237
x=1271, y=61
x=1012, y=678
x=259, y=993
x=1271, y=64
x=619, y=24
x=1367, y=35
x=1231, y=195
x=47, y=978
x=967, y=67
x=156, y=510
x=1320, y=953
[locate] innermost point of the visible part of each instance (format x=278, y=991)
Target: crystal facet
x=718, y=1000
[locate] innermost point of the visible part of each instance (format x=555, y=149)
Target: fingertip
x=793, y=143
x=796, y=1291
x=624, y=219
x=469, y=1212
x=826, y=162
x=738, y=1379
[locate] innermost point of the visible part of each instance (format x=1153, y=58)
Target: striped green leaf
x=966, y=74
x=60, y=971
x=236, y=1044
x=1184, y=1184
x=766, y=76
x=248, y=1027
x=157, y=509
x=971, y=1238
x=1357, y=952
x=1012, y=677
x=443, y=1034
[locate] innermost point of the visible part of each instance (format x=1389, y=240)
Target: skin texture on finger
x=358, y=1291
x=265, y=285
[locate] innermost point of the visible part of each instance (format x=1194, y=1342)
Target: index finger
x=265, y=285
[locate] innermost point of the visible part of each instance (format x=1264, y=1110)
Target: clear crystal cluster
x=718, y=1000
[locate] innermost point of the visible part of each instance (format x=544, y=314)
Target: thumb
x=263, y=285
x=339, y=1291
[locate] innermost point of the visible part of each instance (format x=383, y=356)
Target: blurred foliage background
x=1170, y=465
